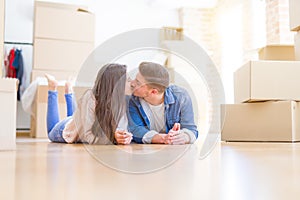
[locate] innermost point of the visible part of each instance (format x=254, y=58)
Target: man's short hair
x=156, y=75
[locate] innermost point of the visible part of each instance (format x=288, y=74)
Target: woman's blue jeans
x=54, y=126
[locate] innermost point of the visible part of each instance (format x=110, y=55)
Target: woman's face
x=127, y=86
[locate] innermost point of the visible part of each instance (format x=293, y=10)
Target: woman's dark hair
x=109, y=92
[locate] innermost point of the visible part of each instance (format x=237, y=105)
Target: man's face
x=139, y=87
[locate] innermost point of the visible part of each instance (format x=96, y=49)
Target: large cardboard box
x=294, y=6
x=60, y=55
x=263, y=121
x=63, y=22
x=277, y=52
x=59, y=75
x=39, y=120
x=297, y=46
x=79, y=91
x=8, y=107
x=267, y=80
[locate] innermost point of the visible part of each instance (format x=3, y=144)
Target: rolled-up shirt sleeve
x=147, y=138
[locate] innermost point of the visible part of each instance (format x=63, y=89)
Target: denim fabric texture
x=55, y=127
x=178, y=109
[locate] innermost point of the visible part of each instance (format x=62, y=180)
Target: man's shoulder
x=133, y=99
x=177, y=90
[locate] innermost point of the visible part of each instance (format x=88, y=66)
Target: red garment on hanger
x=11, y=72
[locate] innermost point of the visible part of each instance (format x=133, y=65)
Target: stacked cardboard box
x=277, y=52
x=266, y=107
x=297, y=46
x=294, y=6
x=63, y=39
x=8, y=107
x=267, y=96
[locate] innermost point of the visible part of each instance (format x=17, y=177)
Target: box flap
x=81, y=8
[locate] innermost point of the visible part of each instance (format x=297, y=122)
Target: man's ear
x=154, y=91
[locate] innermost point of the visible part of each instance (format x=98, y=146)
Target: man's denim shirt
x=178, y=108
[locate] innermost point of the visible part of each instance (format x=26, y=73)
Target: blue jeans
x=54, y=126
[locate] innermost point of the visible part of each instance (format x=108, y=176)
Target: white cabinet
x=2, y=6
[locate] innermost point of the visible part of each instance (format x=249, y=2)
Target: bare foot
x=69, y=86
x=52, y=82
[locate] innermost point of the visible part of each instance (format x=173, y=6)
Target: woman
x=100, y=117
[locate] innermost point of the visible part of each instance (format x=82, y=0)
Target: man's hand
x=173, y=137
x=123, y=137
x=176, y=137
x=180, y=138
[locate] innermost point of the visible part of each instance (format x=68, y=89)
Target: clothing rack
x=20, y=43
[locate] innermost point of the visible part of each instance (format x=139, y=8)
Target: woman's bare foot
x=52, y=82
x=69, y=86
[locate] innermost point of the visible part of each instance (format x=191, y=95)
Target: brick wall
x=277, y=22
x=234, y=30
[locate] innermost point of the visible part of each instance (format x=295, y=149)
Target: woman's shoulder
x=87, y=96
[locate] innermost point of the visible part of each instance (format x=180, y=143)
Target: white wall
x=19, y=20
x=128, y=16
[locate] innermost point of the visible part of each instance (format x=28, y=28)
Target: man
x=159, y=113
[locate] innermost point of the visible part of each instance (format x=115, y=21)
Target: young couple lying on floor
x=155, y=112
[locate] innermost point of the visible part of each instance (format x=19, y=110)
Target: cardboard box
x=277, y=52
x=79, y=91
x=264, y=121
x=63, y=22
x=60, y=55
x=267, y=80
x=59, y=75
x=294, y=6
x=8, y=119
x=39, y=120
x=297, y=46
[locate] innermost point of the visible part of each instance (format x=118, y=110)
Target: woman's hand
x=123, y=137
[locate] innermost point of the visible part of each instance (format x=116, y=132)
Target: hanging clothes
x=14, y=67
x=11, y=71
x=18, y=65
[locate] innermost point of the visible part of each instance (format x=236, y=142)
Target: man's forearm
x=158, y=138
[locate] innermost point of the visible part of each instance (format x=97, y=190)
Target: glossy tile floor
x=39, y=169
